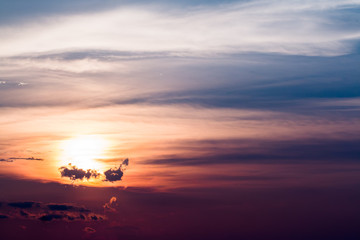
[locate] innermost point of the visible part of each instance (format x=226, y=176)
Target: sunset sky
x=180, y=119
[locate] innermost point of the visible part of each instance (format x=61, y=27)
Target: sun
x=84, y=151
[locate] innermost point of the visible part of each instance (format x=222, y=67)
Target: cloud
x=109, y=206
x=125, y=163
x=48, y=212
x=30, y=159
x=320, y=28
x=111, y=175
x=116, y=174
x=89, y=230
x=22, y=205
x=59, y=207
x=239, y=151
x=75, y=173
x=12, y=159
x=5, y=160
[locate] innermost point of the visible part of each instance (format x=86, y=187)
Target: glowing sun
x=83, y=151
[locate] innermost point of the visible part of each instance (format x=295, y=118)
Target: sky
x=180, y=119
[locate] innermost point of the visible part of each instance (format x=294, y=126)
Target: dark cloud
x=60, y=207
x=48, y=212
x=75, y=173
x=5, y=160
x=89, y=230
x=23, y=213
x=50, y=217
x=30, y=159
x=69, y=217
x=125, y=163
x=22, y=204
x=238, y=151
x=111, y=175
x=3, y=217
x=116, y=174
x=12, y=159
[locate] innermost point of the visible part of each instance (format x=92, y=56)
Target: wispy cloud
x=288, y=27
x=240, y=151
x=29, y=158
x=12, y=159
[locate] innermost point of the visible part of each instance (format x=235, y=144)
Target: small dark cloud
x=22, y=204
x=50, y=217
x=5, y=160
x=116, y=174
x=12, y=159
x=89, y=230
x=59, y=207
x=3, y=217
x=23, y=213
x=29, y=159
x=69, y=217
x=75, y=173
x=125, y=163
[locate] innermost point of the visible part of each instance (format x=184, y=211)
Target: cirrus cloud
x=320, y=28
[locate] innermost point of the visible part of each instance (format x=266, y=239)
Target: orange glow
x=83, y=151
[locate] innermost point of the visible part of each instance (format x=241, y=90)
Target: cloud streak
x=240, y=151
x=47, y=212
x=29, y=159
x=287, y=27
x=12, y=159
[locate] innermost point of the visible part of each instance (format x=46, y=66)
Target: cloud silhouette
x=5, y=160
x=59, y=207
x=116, y=174
x=75, y=173
x=47, y=212
x=29, y=158
x=12, y=159
x=111, y=175
x=22, y=204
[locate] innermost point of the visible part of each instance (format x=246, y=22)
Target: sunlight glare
x=83, y=151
